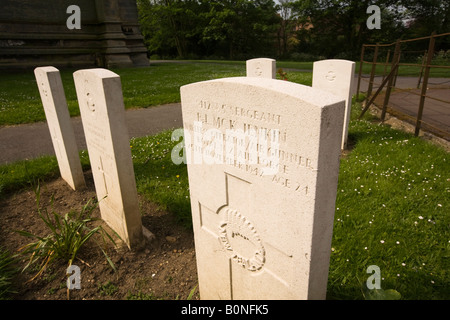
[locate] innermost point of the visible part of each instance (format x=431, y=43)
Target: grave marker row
x=259, y=234
x=102, y=111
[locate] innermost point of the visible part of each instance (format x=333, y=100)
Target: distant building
x=35, y=33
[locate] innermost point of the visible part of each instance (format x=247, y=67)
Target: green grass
x=21, y=174
x=280, y=64
x=107, y=289
x=8, y=270
x=142, y=87
x=158, y=178
x=403, y=71
x=406, y=71
x=145, y=87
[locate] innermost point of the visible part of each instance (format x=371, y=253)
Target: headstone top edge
x=342, y=61
x=46, y=69
x=98, y=72
x=309, y=94
x=259, y=59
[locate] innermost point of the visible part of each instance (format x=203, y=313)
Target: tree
x=339, y=27
x=427, y=16
x=169, y=25
x=228, y=28
x=288, y=23
x=241, y=27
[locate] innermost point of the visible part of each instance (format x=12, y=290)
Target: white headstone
x=102, y=110
x=61, y=130
x=263, y=162
x=261, y=68
x=336, y=76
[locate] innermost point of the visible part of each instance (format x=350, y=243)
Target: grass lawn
x=144, y=87
x=392, y=206
x=392, y=210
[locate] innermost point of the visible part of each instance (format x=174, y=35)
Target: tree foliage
x=241, y=29
x=225, y=28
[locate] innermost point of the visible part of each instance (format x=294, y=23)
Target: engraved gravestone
x=61, y=131
x=102, y=111
x=261, y=68
x=263, y=161
x=336, y=76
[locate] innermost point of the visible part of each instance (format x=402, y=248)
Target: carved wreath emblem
x=331, y=76
x=236, y=225
x=258, y=70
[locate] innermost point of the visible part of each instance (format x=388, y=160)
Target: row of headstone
x=262, y=200
x=263, y=162
x=102, y=111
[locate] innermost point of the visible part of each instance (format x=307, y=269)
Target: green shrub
x=68, y=234
x=7, y=272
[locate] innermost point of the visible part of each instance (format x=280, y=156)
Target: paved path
x=403, y=83
x=33, y=140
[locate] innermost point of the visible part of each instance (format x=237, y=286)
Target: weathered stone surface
x=336, y=76
x=261, y=68
x=263, y=162
x=102, y=111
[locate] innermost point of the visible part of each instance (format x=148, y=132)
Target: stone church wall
x=34, y=33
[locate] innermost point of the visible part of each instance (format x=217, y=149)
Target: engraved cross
x=247, y=255
x=102, y=171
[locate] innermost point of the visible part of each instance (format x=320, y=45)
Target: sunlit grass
x=392, y=211
x=142, y=87
x=158, y=178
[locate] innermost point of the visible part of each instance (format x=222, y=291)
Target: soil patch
x=162, y=269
